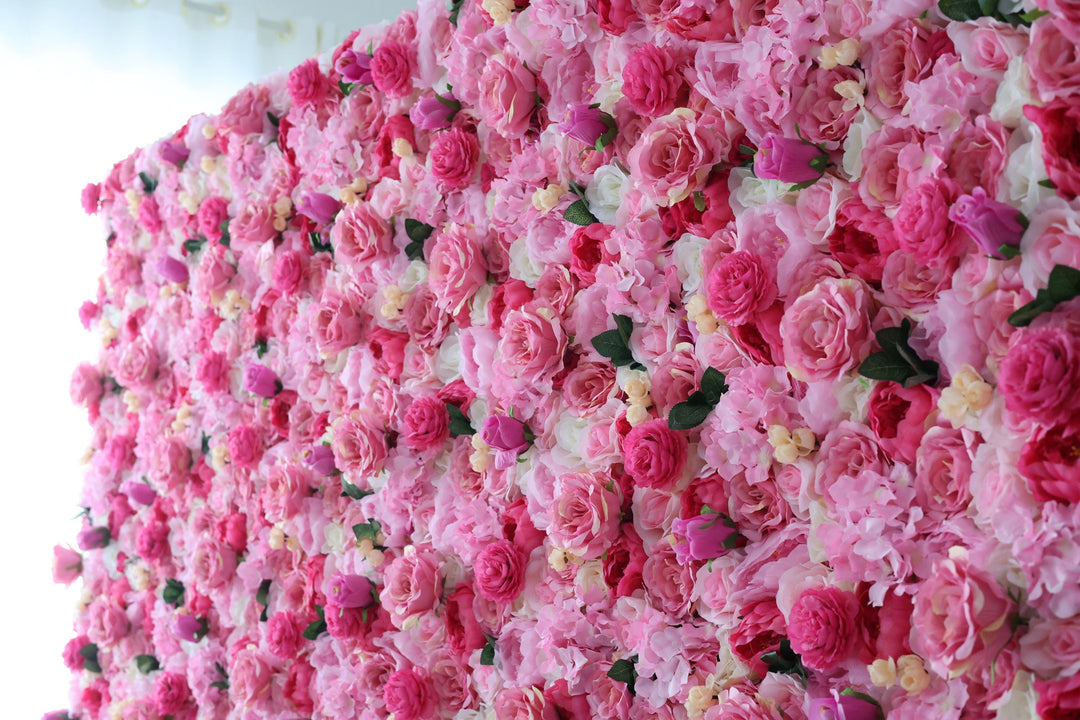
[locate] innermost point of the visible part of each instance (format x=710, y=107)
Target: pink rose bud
x=990, y=223
x=91, y=198
x=320, y=208
x=351, y=591
x=172, y=269
x=175, y=154
x=843, y=707
x=434, y=113
x=585, y=124
x=705, y=537
x=67, y=564
x=261, y=380
x=90, y=538
x=355, y=68
x=508, y=437
x=140, y=492
x=321, y=459
x=57, y=715
x=188, y=627
x=788, y=160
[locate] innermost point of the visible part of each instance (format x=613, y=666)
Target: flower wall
x=598, y=359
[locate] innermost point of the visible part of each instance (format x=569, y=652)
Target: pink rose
x=898, y=415
x=588, y=249
x=212, y=563
x=1050, y=462
x=138, y=363
x=249, y=677
x=788, y=160
x=652, y=82
x=961, y=616
x=454, y=155
x=740, y=286
x=990, y=223
x=288, y=272
x=67, y=564
x=408, y=694
x=261, y=380
x=584, y=123
x=173, y=270
x=213, y=211
x=615, y=16
x=673, y=155
x=188, y=627
x=524, y=704
x=87, y=385
x=359, y=235
x=1040, y=373
x=1053, y=59
x=822, y=626
x=500, y=572
x=508, y=436
x=826, y=331
x=320, y=208
x=703, y=537
x=351, y=591
x=412, y=585
x=359, y=449
x=171, y=693
x=152, y=542
x=307, y=85
x=283, y=634
x=434, y=112
x=426, y=424
x=91, y=538
x=392, y=67
x=335, y=325
x=923, y=225
x=532, y=346
x=943, y=471
x=759, y=631
x=253, y=225
x=213, y=372
x=843, y=707
x=91, y=198
x=463, y=631
x=107, y=623
x=245, y=446
x=1059, y=123
x=585, y=514
x=457, y=268
x=354, y=67
x=507, y=95
x=655, y=455
x=1058, y=699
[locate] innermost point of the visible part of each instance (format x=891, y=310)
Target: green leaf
x=454, y=7
x=316, y=628
x=226, y=239
x=317, y=244
x=579, y=214
x=369, y=530
x=194, y=245
x=897, y=361
x=147, y=663
x=89, y=653
x=263, y=598
x=747, y=150
x=149, y=184
x=1063, y=284
x=611, y=345
x=785, y=661
x=960, y=9
x=1009, y=251
x=1023, y=316
x=353, y=491
x=1032, y=15
x=1048, y=183
x=988, y=7
x=487, y=655
x=274, y=119
x=205, y=444
x=713, y=384
x=624, y=671
x=577, y=189
x=459, y=422
x=173, y=592
x=625, y=325
x=885, y=365
x=686, y=415
x=418, y=231
x=699, y=201
x=345, y=87
x=261, y=347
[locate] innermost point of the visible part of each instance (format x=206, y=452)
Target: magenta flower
x=93, y=537
x=509, y=437
x=172, y=269
x=351, y=591
x=175, y=154
x=140, y=492
x=321, y=459
x=261, y=380
x=843, y=707
x=67, y=565
x=704, y=537
x=586, y=124
x=355, y=68
x=320, y=208
x=788, y=160
x=991, y=224
x=188, y=627
x=433, y=112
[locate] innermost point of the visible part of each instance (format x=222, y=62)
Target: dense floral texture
x=567, y=360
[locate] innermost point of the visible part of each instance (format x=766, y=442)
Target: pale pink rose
x=532, y=345
x=894, y=159
x=500, y=572
x=213, y=564
x=245, y=446
x=676, y=377
x=249, y=676
x=393, y=65
x=288, y=272
x=87, y=385
x=507, y=95
x=1039, y=375
x=588, y=387
x=826, y=331
x=335, y=325
x=359, y=235
x=106, y=622
x=1053, y=60
x=914, y=286
x=412, y=585
x=739, y=702
x=137, y=364
x=67, y=564
x=979, y=153
x=213, y=274
x=456, y=266
x=961, y=616
x=253, y=225
x=359, y=449
x=524, y=704
x=822, y=626
x=986, y=45
x=673, y=156
x=1051, y=647
x=426, y=424
x=943, y=471
x=426, y=322
x=585, y=516
x=1051, y=239
x=655, y=455
x=824, y=115
x=900, y=56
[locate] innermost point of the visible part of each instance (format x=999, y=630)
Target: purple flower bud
x=56, y=715
x=188, y=627
x=175, y=154
x=990, y=223
x=172, y=269
x=140, y=492
x=261, y=380
x=788, y=160
x=67, y=565
x=583, y=123
x=507, y=436
x=705, y=537
x=93, y=537
x=321, y=459
x=842, y=707
x=351, y=591
x=320, y=208
x=431, y=113
x=355, y=67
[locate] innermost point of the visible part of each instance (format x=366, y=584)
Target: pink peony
x=408, y=694
x=392, y=66
x=1040, y=373
x=655, y=455
x=213, y=211
x=245, y=446
x=426, y=424
x=1050, y=463
x=788, y=160
x=822, y=626
x=307, y=85
x=898, y=415
x=652, y=83
x=500, y=572
x=454, y=155
x=171, y=693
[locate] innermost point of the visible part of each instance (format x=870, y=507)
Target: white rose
x=1013, y=94
x=1024, y=170
x=748, y=190
x=605, y=192
x=334, y=536
x=522, y=265
x=862, y=128
x=478, y=310
x=570, y=435
x=415, y=275
x=448, y=359
x=687, y=255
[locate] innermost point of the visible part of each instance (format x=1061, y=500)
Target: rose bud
x=67, y=565
x=57, y=715
x=705, y=537
x=175, y=154
x=188, y=627
x=261, y=380
x=172, y=269
x=90, y=538
x=787, y=160
x=586, y=124
x=508, y=436
x=991, y=224
x=843, y=707
x=434, y=112
x=350, y=591
x=320, y=208
x=355, y=68
x=140, y=492
x=321, y=459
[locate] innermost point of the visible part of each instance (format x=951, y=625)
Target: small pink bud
x=172, y=269
x=67, y=565
x=788, y=160
x=351, y=591
x=261, y=380
x=320, y=208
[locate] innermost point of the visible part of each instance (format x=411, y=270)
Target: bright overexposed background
x=83, y=83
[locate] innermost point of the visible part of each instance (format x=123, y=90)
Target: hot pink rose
x=703, y=537
x=655, y=455
x=740, y=286
x=990, y=223
x=826, y=331
x=463, y=631
x=500, y=572
x=843, y=707
x=922, y=223
x=457, y=268
x=961, y=616
x=408, y=694
x=652, y=82
x=1050, y=462
x=426, y=424
x=1059, y=122
x=759, y=631
x=173, y=270
x=898, y=415
x=1058, y=699
x=454, y=155
x=171, y=693
x=351, y=591
x=392, y=67
x=283, y=634
x=508, y=436
x=615, y=16
x=788, y=160
x=822, y=626
x=261, y=380
x=213, y=211
x=307, y=85
x=507, y=95
x=91, y=198
x=588, y=249
x=245, y=446
x=1040, y=373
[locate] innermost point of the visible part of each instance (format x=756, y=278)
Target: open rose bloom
x=613, y=360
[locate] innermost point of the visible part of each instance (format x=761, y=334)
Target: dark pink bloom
x=432, y=113
x=172, y=269
x=321, y=459
x=507, y=435
x=500, y=571
x=408, y=694
x=139, y=491
x=392, y=67
x=355, y=67
x=584, y=124
x=170, y=692
x=1039, y=375
x=426, y=424
x=320, y=208
x=822, y=626
x=91, y=197
x=787, y=160
x=842, y=707
x=703, y=537
x=93, y=537
x=174, y=153
x=990, y=223
x=655, y=455
x=188, y=627
x=350, y=591
x=261, y=380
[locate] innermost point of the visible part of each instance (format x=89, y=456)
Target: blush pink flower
x=826, y=331
x=507, y=95
x=655, y=455
x=500, y=572
x=585, y=514
x=457, y=268
x=67, y=565
x=171, y=693
x=822, y=626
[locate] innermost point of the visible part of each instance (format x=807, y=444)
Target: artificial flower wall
x=607, y=359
